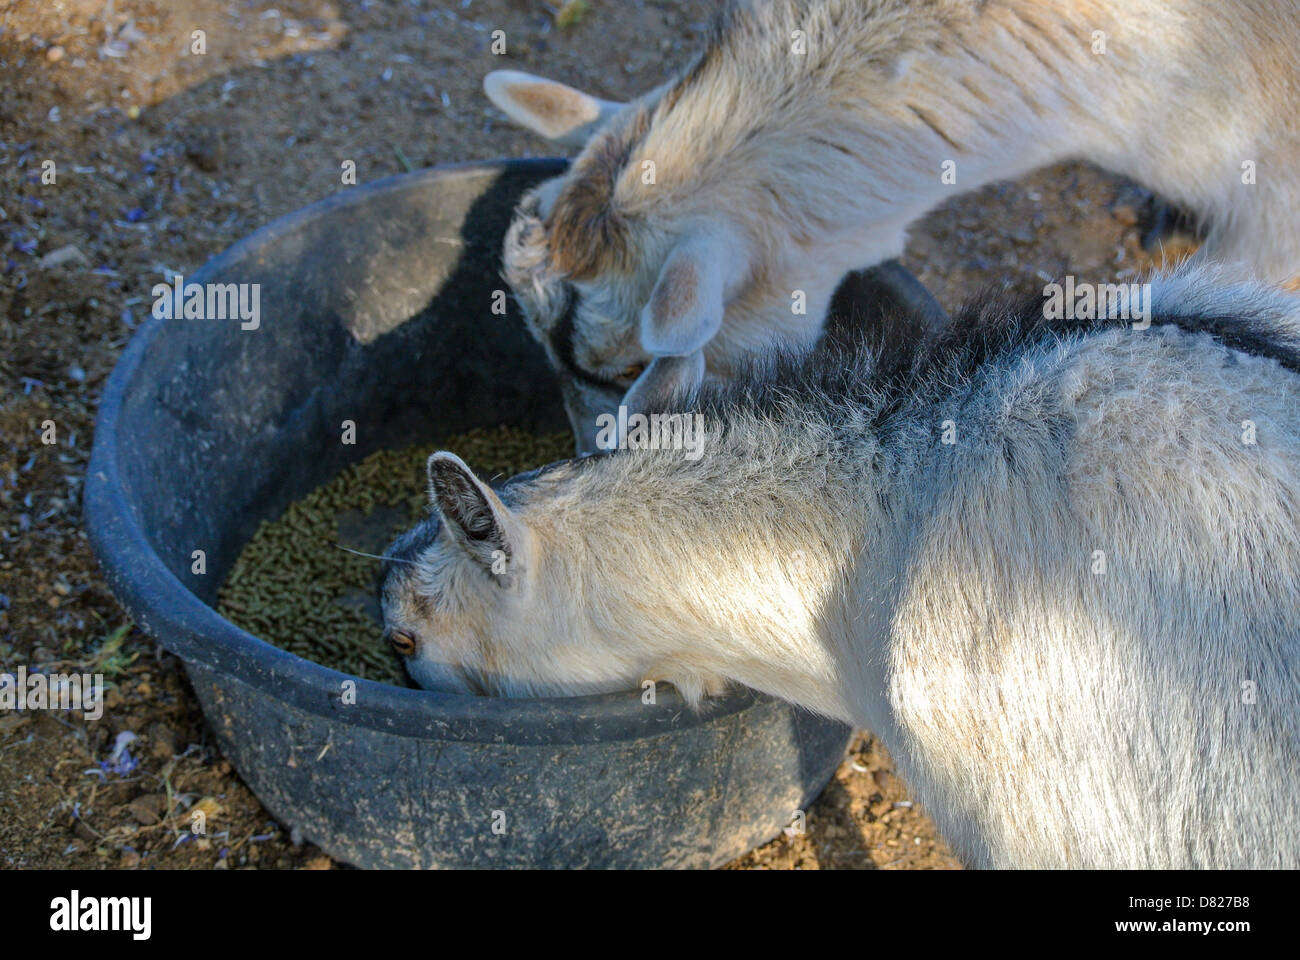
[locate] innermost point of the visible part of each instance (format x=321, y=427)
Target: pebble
x=55, y=53
x=162, y=742
x=1125, y=213
x=65, y=254
x=1022, y=235
x=148, y=808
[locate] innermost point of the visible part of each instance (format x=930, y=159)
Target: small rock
x=55, y=53
x=148, y=809
x=1125, y=213
x=319, y=863
x=204, y=149
x=571, y=13
x=210, y=807
x=1022, y=235
x=162, y=742
x=66, y=254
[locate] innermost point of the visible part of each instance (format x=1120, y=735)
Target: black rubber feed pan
x=375, y=308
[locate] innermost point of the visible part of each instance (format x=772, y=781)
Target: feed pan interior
x=375, y=311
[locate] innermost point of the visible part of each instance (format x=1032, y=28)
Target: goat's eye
x=403, y=643
x=632, y=372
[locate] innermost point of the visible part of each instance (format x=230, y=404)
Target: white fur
x=946, y=596
x=818, y=163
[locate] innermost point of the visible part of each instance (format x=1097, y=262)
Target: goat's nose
x=403, y=643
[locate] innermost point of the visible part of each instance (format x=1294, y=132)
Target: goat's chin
x=524, y=687
x=439, y=677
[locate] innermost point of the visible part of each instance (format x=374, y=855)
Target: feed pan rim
x=171, y=613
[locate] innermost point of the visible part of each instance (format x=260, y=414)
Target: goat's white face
x=469, y=608
x=634, y=331
x=595, y=352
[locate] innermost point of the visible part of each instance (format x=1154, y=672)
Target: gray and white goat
x=715, y=215
x=1054, y=565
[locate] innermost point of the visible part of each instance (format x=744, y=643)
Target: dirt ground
x=161, y=158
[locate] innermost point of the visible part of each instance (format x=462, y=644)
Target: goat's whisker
x=373, y=556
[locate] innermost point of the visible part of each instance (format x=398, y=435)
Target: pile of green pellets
x=294, y=586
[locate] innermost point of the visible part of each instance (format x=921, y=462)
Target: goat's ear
x=474, y=515
x=685, y=308
x=555, y=111
x=665, y=383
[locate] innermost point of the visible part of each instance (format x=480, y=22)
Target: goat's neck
x=745, y=566
x=846, y=161
x=959, y=123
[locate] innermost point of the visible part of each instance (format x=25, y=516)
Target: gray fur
x=831, y=549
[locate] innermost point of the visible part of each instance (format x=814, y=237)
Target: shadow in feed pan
x=375, y=309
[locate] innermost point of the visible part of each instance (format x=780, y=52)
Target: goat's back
x=1095, y=660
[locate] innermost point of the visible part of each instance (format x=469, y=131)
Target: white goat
x=1053, y=565
x=700, y=219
